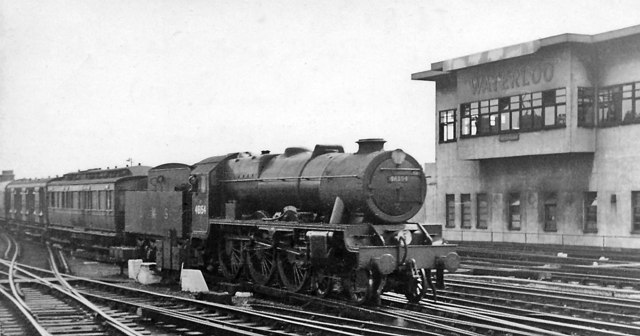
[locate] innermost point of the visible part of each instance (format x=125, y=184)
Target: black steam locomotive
x=321, y=220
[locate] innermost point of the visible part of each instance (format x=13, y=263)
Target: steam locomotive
x=322, y=221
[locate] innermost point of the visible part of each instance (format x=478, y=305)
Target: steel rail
x=252, y=314
x=112, y=322
x=498, y=310
x=193, y=320
x=613, y=302
x=345, y=308
x=485, y=313
x=347, y=323
x=486, y=323
x=15, y=296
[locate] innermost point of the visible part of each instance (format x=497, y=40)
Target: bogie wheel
x=261, y=262
x=230, y=257
x=358, y=285
x=321, y=282
x=293, y=269
x=416, y=287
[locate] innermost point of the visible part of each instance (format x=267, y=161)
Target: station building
x=539, y=143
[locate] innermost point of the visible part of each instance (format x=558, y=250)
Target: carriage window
x=635, y=205
x=109, y=199
x=82, y=199
x=89, y=202
x=483, y=211
x=550, y=207
x=465, y=210
x=448, y=126
x=69, y=199
x=514, y=211
x=590, y=212
x=450, y=210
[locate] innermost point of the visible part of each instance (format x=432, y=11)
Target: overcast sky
x=91, y=83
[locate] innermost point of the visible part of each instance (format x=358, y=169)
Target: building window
x=550, y=207
x=609, y=106
x=483, y=211
x=448, y=126
x=585, y=107
x=631, y=103
x=514, y=211
x=619, y=104
x=450, y=204
x=465, y=210
x=469, y=119
x=635, y=205
x=554, y=104
x=525, y=112
x=591, y=212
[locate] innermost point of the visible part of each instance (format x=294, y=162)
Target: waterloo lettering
x=513, y=78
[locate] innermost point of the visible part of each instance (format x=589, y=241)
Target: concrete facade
x=574, y=179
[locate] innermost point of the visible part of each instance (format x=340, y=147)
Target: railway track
x=50, y=308
x=174, y=315
x=558, y=307
x=395, y=311
x=466, y=307
x=478, y=309
x=616, y=273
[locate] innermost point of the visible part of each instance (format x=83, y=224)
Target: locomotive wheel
x=261, y=262
x=230, y=257
x=293, y=269
x=321, y=282
x=358, y=285
x=416, y=287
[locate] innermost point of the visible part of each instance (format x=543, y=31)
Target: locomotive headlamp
x=398, y=156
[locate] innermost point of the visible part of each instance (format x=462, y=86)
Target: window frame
x=609, y=100
x=481, y=211
x=590, y=211
x=446, y=122
x=450, y=210
x=586, y=107
x=550, y=218
x=465, y=211
x=635, y=212
x=477, y=117
x=513, y=198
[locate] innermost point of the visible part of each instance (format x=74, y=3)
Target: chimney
x=370, y=145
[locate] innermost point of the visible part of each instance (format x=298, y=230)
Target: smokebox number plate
x=398, y=178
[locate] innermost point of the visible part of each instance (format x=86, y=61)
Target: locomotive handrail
x=268, y=179
x=401, y=169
